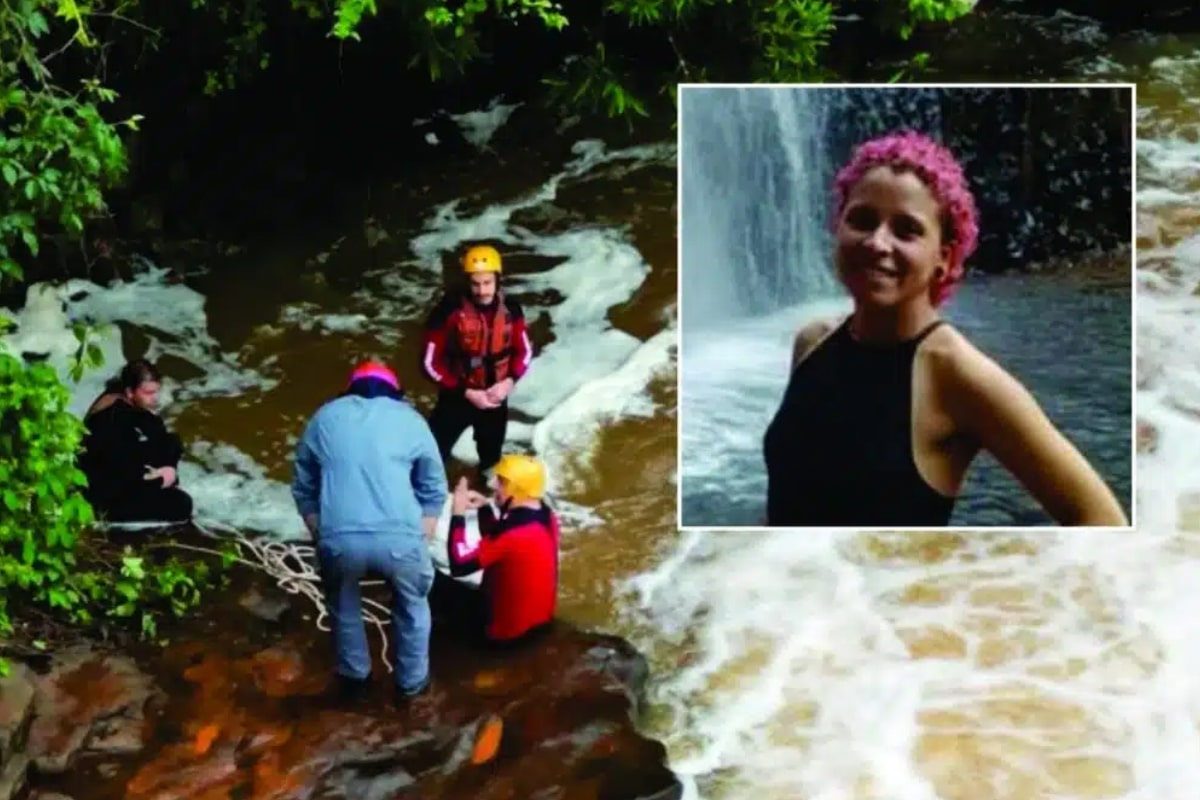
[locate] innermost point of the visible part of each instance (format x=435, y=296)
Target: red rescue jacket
x=518, y=553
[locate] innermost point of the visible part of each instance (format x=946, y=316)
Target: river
x=827, y=666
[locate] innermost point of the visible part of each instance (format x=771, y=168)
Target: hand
x=479, y=398
x=475, y=499
x=461, y=498
x=167, y=474
x=500, y=391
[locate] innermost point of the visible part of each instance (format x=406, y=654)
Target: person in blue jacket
x=370, y=485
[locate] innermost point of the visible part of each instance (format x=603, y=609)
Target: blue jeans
x=405, y=564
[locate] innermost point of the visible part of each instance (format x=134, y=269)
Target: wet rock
x=117, y=736
x=264, y=605
x=252, y=712
x=280, y=672
x=16, y=710
x=264, y=724
x=13, y=776
x=1163, y=14
x=87, y=697
x=374, y=232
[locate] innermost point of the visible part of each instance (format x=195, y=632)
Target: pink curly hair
x=938, y=170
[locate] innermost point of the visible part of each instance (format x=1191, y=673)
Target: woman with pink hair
x=885, y=410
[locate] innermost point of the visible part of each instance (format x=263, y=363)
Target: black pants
x=147, y=504
x=465, y=610
x=453, y=414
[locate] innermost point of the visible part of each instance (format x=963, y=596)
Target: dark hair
x=373, y=387
x=133, y=375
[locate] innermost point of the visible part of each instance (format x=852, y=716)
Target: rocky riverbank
x=241, y=703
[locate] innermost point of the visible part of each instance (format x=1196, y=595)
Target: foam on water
x=592, y=372
x=478, y=126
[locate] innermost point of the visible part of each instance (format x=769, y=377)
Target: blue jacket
x=369, y=465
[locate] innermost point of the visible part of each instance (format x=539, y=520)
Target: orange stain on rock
x=280, y=672
x=487, y=679
x=279, y=775
x=264, y=738
x=213, y=777
x=92, y=684
x=487, y=742
x=205, y=737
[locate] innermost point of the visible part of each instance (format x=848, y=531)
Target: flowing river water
x=820, y=666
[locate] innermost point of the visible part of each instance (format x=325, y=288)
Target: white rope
x=272, y=558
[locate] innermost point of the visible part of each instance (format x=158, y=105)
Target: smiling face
x=890, y=240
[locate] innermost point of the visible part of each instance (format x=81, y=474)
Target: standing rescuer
x=476, y=348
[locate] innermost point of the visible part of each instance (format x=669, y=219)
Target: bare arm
x=1002, y=415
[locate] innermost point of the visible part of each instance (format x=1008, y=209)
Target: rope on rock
x=288, y=563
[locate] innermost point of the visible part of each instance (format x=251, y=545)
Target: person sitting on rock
x=129, y=457
x=517, y=551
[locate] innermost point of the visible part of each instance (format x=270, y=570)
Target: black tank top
x=839, y=451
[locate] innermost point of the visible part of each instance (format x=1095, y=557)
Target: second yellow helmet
x=481, y=258
x=524, y=476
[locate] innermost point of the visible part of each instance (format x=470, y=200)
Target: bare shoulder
x=970, y=381
x=809, y=336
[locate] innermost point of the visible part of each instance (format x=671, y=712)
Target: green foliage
x=46, y=558
x=785, y=37
x=57, y=152
x=785, y=40
x=905, y=15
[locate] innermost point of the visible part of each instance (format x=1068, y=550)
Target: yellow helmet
x=481, y=258
x=524, y=476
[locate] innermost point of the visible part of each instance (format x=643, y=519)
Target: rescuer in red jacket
x=517, y=551
x=476, y=348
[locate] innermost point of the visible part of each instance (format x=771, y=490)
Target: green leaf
x=38, y=26
x=30, y=239
x=12, y=269
x=131, y=567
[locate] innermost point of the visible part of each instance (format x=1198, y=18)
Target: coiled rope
x=291, y=564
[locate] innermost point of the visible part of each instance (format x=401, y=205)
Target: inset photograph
x=906, y=307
